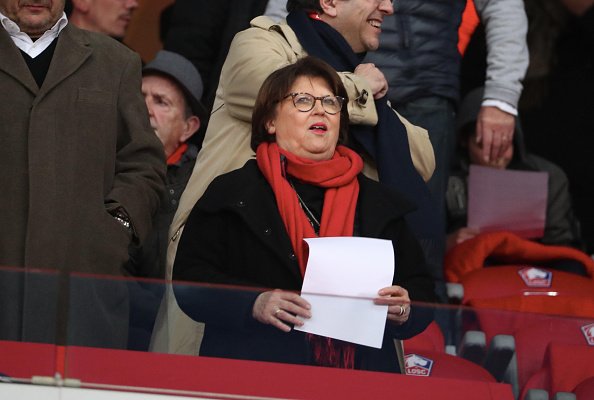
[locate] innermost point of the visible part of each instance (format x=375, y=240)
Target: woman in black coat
x=247, y=230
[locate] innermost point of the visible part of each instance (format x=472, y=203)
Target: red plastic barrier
x=25, y=360
x=249, y=378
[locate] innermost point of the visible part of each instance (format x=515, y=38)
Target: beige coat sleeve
x=421, y=149
x=359, y=113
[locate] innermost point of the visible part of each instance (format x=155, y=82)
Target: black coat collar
x=247, y=192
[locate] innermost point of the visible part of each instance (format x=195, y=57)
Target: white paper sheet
x=342, y=278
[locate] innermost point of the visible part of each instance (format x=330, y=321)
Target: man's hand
x=375, y=78
x=495, y=129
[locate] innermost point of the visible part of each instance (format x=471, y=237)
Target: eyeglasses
x=305, y=102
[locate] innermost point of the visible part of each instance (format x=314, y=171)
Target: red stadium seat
x=504, y=288
x=564, y=368
x=569, y=365
x=425, y=356
x=585, y=389
x=430, y=339
x=532, y=341
x=442, y=365
x=530, y=289
x=520, y=285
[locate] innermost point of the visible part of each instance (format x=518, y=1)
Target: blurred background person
x=561, y=226
x=556, y=105
x=202, y=31
x=172, y=88
x=302, y=184
x=110, y=17
x=561, y=128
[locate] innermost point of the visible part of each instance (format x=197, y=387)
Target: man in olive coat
x=82, y=171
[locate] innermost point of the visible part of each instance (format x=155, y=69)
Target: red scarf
x=177, y=154
x=339, y=177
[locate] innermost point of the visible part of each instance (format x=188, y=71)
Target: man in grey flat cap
x=172, y=88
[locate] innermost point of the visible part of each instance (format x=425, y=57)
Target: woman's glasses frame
x=305, y=102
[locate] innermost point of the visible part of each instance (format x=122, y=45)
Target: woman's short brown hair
x=277, y=86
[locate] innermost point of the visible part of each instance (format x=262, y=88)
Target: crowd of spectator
x=115, y=168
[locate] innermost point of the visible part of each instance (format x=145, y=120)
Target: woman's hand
x=398, y=302
x=280, y=308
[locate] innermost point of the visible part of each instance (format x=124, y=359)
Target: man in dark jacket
x=561, y=128
x=202, y=30
x=82, y=175
x=172, y=88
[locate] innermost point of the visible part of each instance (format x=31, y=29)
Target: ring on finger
x=277, y=311
x=402, y=310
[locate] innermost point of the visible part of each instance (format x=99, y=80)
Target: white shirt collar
x=25, y=43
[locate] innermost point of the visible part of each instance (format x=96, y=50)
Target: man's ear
x=191, y=127
x=81, y=6
x=329, y=7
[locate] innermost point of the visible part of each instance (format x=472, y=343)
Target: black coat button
x=267, y=231
x=241, y=203
x=292, y=256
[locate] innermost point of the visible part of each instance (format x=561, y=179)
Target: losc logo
x=417, y=365
x=536, y=277
x=588, y=331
